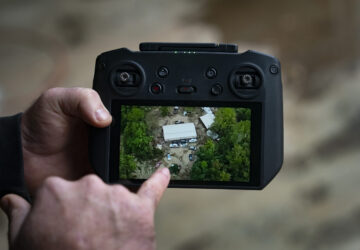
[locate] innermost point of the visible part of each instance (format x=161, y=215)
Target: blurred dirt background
x=313, y=203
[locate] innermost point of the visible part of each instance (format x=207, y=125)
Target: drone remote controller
x=211, y=115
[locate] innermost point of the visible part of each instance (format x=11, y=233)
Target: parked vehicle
x=168, y=156
x=174, y=145
x=191, y=157
x=183, y=141
x=193, y=140
x=193, y=148
x=176, y=110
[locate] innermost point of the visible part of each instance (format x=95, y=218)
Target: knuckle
x=51, y=93
x=87, y=93
x=54, y=184
x=119, y=190
x=52, y=181
x=92, y=182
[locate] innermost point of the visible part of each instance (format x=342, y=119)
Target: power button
x=156, y=88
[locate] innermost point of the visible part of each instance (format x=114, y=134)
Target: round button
x=124, y=76
x=216, y=89
x=156, y=88
x=163, y=72
x=274, y=69
x=211, y=73
x=247, y=80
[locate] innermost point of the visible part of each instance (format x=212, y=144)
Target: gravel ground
x=313, y=202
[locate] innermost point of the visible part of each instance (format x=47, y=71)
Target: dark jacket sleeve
x=11, y=158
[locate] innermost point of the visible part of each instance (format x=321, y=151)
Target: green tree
x=164, y=111
x=189, y=109
x=239, y=162
x=137, y=142
x=243, y=114
x=238, y=154
x=207, y=151
x=224, y=176
x=136, y=114
x=217, y=172
x=213, y=171
x=136, y=138
x=174, y=169
x=228, y=159
x=199, y=170
x=224, y=120
x=124, y=111
x=127, y=166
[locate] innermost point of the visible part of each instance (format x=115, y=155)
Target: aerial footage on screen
x=195, y=143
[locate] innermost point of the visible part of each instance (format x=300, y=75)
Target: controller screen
x=195, y=143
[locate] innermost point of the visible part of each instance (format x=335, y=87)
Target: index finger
x=153, y=189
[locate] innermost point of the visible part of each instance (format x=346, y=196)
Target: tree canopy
x=137, y=143
x=229, y=158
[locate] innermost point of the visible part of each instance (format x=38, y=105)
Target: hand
x=55, y=136
x=86, y=214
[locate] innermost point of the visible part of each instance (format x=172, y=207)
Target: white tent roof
x=179, y=131
x=207, y=120
x=207, y=110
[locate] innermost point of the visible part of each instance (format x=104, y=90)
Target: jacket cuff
x=11, y=157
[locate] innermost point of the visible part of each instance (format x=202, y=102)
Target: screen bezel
x=255, y=143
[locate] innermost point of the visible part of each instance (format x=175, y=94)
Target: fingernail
x=165, y=171
x=101, y=114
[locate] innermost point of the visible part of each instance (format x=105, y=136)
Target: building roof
x=207, y=110
x=179, y=131
x=212, y=134
x=207, y=120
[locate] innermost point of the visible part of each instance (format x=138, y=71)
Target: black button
x=211, y=73
x=274, y=69
x=163, y=72
x=216, y=89
x=186, y=89
x=156, y=88
x=126, y=79
x=247, y=80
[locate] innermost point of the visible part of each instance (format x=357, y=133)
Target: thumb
x=16, y=209
x=83, y=103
